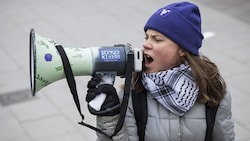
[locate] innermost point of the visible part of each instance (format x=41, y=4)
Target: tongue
x=148, y=60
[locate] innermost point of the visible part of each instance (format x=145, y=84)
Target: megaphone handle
x=107, y=78
x=97, y=102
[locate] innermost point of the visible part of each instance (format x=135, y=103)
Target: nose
x=147, y=44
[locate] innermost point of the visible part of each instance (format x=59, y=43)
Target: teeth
x=148, y=58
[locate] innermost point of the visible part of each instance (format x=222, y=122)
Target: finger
x=95, y=80
x=107, y=89
x=97, y=77
x=93, y=90
x=90, y=96
x=92, y=84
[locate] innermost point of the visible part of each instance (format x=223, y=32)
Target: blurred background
x=51, y=115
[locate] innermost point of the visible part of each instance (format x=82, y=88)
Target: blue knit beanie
x=181, y=22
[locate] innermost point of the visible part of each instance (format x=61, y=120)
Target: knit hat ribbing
x=181, y=23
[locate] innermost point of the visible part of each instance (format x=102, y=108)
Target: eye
x=157, y=39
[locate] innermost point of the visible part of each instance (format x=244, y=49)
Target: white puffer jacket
x=162, y=125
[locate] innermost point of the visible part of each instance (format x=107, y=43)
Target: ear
x=181, y=52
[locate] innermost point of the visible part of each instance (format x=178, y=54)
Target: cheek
x=164, y=55
x=161, y=58
x=167, y=60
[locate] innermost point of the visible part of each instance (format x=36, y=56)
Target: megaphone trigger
x=107, y=78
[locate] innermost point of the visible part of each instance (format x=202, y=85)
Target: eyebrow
x=157, y=35
x=154, y=34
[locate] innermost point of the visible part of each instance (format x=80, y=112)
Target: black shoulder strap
x=210, y=119
x=124, y=104
x=139, y=100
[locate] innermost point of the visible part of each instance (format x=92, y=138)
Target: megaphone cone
x=46, y=65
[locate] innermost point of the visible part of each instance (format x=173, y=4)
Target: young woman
x=177, y=81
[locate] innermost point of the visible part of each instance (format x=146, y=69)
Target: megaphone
x=46, y=65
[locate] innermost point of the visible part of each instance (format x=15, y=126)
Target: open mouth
x=148, y=59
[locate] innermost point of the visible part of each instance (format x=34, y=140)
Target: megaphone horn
x=46, y=65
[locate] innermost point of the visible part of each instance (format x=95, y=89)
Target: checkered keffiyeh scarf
x=175, y=88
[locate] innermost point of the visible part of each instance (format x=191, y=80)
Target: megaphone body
x=46, y=65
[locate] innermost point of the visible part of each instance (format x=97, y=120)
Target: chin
x=150, y=71
x=153, y=70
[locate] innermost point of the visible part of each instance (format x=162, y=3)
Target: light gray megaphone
x=46, y=65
